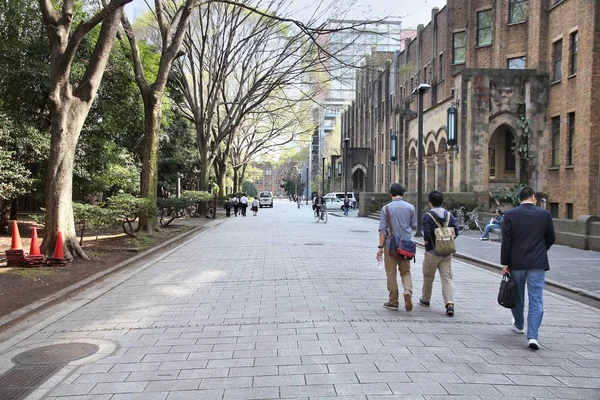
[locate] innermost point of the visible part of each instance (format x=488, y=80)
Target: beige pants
x=392, y=282
x=432, y=263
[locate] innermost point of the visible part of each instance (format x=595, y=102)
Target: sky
x=411, y=12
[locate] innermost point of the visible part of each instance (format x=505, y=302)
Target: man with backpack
x=439, y=231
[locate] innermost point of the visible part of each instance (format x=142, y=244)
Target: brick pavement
x=277, y=306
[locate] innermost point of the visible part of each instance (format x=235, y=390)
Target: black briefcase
x=507, y=292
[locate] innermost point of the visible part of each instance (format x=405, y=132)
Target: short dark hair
x=397, y=189
x=499, y=211
x=436, y=198
x=526, y=193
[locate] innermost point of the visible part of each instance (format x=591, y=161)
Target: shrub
x=172, y=208
x=127, y=208
x=201, y=199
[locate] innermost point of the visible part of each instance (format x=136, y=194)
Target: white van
x=340, y=195
x=265, y=199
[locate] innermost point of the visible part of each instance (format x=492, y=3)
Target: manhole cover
x=56, y=354
x=313, y=244
x=36, y=366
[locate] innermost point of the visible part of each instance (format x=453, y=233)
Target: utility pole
x=323, y=177
x=345, y=170
x=421, y=90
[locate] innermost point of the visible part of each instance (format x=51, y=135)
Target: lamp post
x=329, y=177
x=345, y=161
x=323, y=177
x=339, y=171
x=306, y=185
x=421, y=90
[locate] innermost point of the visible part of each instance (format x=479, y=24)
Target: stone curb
x=69, y=290
x=569, y=288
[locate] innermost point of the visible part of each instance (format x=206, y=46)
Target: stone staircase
x=375, y=215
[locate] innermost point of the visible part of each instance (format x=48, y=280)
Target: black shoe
x=450, y=310
x=424, y=303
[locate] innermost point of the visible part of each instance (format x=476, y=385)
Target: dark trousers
x=228, y=212
x=244, y=207
x=235, y=210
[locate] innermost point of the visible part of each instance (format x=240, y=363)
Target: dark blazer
x=527, y=234
x=429, y=227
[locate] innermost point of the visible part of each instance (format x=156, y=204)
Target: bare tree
x=69, y=106
x=172, y=24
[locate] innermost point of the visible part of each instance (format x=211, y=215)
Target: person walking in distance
x=436, y=258
x=403, y=220
x=228, y=207
x=346, y=205
x=255, y=205
x=236, y=205
x=527, y=235
x=244, y=204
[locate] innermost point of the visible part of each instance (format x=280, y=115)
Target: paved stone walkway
x=278, y=306
x=574, y=267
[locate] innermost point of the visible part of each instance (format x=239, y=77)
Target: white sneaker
x=519, y=331
x=534, y=344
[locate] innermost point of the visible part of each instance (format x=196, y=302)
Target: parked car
x=333, y=203
x=340, y=196
x=265, y=199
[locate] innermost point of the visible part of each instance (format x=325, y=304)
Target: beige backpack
x=444, y=237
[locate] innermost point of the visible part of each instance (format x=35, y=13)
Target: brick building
x=503, y=65
x=271, y=179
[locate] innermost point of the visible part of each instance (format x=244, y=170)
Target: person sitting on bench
x=495, y=223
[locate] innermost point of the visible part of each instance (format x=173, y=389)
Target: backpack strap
x=389, y=221
x=435, y=220
x=447, y=224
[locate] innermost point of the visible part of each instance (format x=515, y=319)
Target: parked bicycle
x=321, y=216
x=464, y=221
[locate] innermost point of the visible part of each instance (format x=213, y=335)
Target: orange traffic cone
x=34, y=250
x=59, y=256
x=16, y=237
x=35, y=258
x=58, y=248
x=15, y=257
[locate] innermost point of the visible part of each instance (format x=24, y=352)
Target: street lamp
x=393, y=147
x=345, y=172
x=323, y=177
x=329, y=177
x=421, y=90
x=452, y=124
x=339, y=168
x=306, y=185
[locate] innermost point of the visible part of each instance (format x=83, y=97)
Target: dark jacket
x=527, y=234
x=429, y=227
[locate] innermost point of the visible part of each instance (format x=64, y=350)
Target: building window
x=555, y=157
x=571, y=139
x=517, y=63
x=484, y=28
x=441, y=67
x=458, y=47
x=569, y=210
x=574, y=50
x=381, y=173
x=554, y=210
x=517, y=11
x=510, y=161
x=492, y=155
x=557, y=60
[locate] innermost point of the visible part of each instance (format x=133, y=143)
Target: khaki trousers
x=431, y=264
x=392, y=282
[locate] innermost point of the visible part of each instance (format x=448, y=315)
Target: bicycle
x=459, y=214
x=322, y=216
x=465, y=224
x=473, y=217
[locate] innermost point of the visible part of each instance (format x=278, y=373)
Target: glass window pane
x=484, y=37
x=518, y=11
x=460, y=39
x=459, y=55
x=517, y=63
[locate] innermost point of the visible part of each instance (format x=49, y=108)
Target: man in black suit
x=527, y=235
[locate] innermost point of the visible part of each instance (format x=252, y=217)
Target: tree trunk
x=204, y=173
x=236, y=179
x=4, y=216
x=67, y=121
x=149, y=183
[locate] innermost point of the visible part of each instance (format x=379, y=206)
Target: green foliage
x=14, y=177
x=197, y=196
x=521, y=144
x=94, y=217
x=292, y=186
x=172, y=208
x=249, y=188
x=507, y=194
x=128, y=208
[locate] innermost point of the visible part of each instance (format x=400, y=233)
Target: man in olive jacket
x=527, y=235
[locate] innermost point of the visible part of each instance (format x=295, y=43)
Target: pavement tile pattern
x=280, y=307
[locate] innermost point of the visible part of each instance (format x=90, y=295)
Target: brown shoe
x=390, y=306
x=407, y=302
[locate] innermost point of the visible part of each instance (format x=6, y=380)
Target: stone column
x=450, y=170
x=429, y=173
x=412, y=176
x=440, y=172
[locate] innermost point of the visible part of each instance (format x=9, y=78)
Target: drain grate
x=36, y=366
x=56, y=354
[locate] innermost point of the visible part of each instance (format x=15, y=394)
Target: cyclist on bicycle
x=318, y=203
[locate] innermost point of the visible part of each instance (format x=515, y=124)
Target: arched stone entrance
x=502, y=162
x=359, y=178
